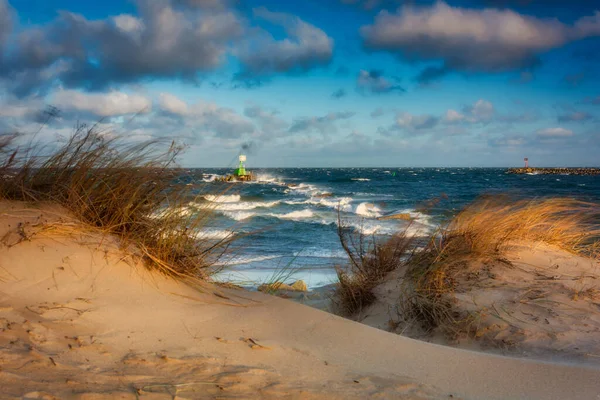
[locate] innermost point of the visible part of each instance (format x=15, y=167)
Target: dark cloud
x=162, y=41
x=575, y=79
x=240, y=81
x=324, y=125
x=6, y=24
x=430, y=74
x=592, y=100
x=373, y=81
x=176, y=39
x=338, y=94
x=472, y=40
x=306, y=47
x=524, y=77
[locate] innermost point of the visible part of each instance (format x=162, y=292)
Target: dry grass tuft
x=370, y=263
x=484, y=231
x=127, y=190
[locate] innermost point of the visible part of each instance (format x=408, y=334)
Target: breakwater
x=554, y=171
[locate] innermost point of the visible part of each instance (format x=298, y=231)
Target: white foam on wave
x=320, y=253
x=303, y=188
x=210, y=177
x=171, y=211
x=246, y=205
x=239, y=206
x=295, y=215
x=242, y=259
x=370, y=227
x=238, y=215
x=361, y=179
x=222, y=198
x=342, y=203
x=213, y=234
x=268, y=179
x=369, y=210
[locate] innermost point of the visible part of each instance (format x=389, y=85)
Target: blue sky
x=314, y=82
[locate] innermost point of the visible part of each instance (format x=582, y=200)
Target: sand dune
x=80, y=319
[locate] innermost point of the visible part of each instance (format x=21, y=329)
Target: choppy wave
x=295, y=215
x=268, y=179
x=246, y=205
x=223, y=198
x=368, y=210
x=320, y=253
x=361, y=179
x=210, y=177
x=244, y=259
x=238, y=206
x=171, y=211
x=214, y=234
x=238, y=215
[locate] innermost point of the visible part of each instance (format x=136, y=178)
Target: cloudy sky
x=313, y=82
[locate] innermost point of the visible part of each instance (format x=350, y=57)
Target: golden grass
x=370, y=263
x=127, y=190
x=485, y=230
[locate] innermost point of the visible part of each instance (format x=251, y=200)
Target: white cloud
x=472, y=39
x=101, y=104
x=480, y=111
x=415, y=122
x=207, y=117
x=173, y=104
x=20, y=109
x=554, y=133
x=453, y=116
x=268, y=121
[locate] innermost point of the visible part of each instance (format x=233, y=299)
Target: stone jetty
x=554, y=171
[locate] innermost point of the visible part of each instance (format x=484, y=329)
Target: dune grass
x=370, y=261
x=431, y=267
x=485, y=231
x=124, y=189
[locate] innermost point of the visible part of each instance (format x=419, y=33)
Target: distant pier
x=554, y=171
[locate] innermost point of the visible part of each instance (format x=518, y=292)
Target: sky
x=312, y=83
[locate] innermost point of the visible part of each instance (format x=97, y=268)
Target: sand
x=538, y=302
x=79, y=319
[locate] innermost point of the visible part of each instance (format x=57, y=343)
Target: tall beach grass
x=430, y=267
x=121, y=188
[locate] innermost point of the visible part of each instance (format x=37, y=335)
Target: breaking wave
x=368, y=210
x=222, y=198
x=295, y=215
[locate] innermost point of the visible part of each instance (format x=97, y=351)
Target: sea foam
x=222, y=198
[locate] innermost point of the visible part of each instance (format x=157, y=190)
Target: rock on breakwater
x=554, y=171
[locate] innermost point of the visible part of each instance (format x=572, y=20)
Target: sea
x=286, y=221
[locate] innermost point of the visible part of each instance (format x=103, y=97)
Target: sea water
x=287, y=219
